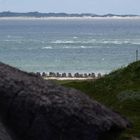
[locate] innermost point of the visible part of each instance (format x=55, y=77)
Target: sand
x=69, y=78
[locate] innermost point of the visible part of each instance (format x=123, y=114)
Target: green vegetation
x=119, y=90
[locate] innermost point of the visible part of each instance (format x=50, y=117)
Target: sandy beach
x=69, y=78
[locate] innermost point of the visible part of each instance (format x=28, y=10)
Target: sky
x=72, y=6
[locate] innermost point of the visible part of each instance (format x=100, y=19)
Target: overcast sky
x=73, y=6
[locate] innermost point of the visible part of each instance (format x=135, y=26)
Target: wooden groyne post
x=137, y=55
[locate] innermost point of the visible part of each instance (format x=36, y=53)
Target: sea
x=69, y=45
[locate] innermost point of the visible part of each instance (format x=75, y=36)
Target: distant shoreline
x=68, y=18
x=68, y=76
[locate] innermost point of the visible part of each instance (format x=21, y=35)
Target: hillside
x=32, y=108
x=119, y=90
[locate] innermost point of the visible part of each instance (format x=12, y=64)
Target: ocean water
x=88, y=45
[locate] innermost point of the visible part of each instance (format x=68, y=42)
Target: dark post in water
x=137, y=55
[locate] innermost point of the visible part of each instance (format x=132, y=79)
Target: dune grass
x=120, y=91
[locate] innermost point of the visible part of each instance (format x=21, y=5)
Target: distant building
x=64, y=75
x=44, y=74
x=93, y=75
x=99, y=75
x=69, y=75
x=76, y=75
x=85, y=75
x=52, y=74
x=38, y=74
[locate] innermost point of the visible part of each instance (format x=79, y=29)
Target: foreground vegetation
x=119, y=90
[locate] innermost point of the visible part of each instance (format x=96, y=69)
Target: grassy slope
x=120, y=90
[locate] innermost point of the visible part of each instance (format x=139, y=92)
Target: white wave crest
x=98, y=41
x=120, y=42
x=77, y=47
x=75, y=37
x=62, y=41
x=48, y=47
x=73, y=41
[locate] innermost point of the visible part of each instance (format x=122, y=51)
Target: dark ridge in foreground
x=34, y=109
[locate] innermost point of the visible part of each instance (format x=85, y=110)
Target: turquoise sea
x=88, y=45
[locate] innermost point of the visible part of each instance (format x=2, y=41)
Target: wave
x=73, y=41
x=95, y=41
x=115, y=42
x=121, y=41
x=77, y=47
x=75, y=37
x=62, y=42
x=70, y=47
x=48, y=47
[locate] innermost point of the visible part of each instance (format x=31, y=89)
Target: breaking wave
x=49, y=47
x=95, y=41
